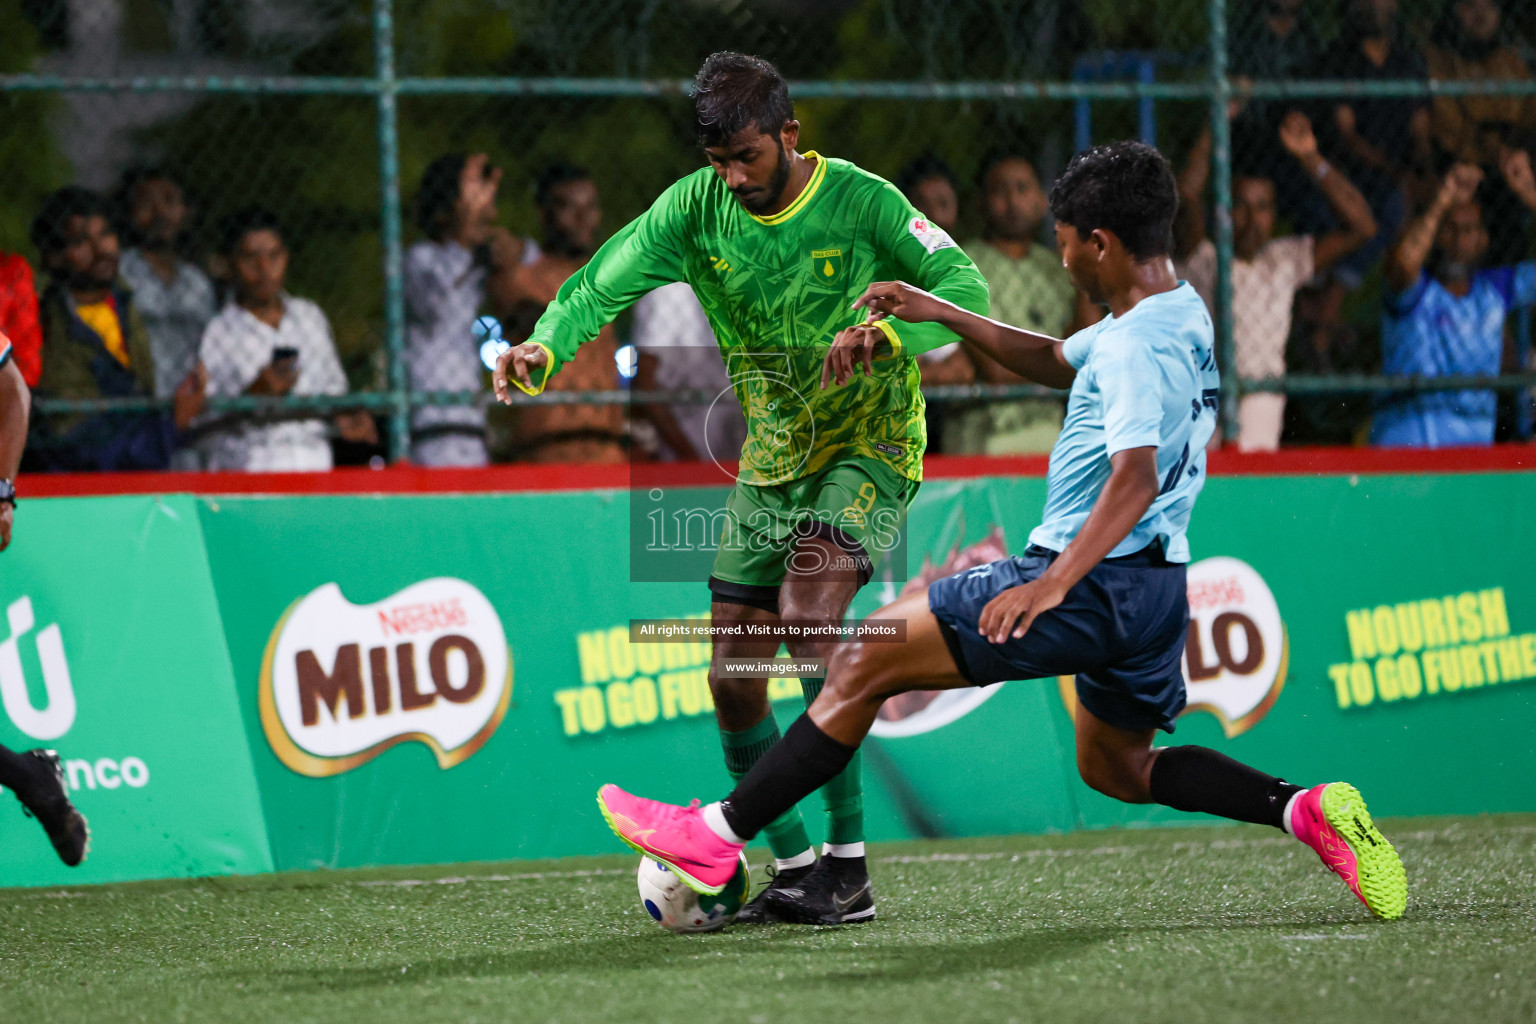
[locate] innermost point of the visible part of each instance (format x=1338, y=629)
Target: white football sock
x=1290, y=807
x=843, y=850
x=803, y=859
x=714, y=817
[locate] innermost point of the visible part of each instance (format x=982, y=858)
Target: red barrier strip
x=528, y=477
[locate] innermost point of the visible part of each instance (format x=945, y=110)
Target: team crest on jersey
x=827, y=264
x=930, y=235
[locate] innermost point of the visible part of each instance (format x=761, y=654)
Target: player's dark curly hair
x=70, y=201
x=1126, y=188
x=732, y=91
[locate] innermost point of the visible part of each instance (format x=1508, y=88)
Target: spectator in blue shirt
x=1447, y=318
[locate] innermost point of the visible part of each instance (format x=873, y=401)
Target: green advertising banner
x=1339, y=630
x=112, y=652
x=283, y=683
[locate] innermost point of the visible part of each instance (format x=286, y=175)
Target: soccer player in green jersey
x=777, y=245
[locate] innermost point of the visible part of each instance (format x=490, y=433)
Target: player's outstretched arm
x=1035, y=356
x=644, y=255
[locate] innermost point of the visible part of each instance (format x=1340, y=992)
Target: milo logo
x=1235, y=653
x=341, y=683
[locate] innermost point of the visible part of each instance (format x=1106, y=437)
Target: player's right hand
x=901, y=300
x=517, y=363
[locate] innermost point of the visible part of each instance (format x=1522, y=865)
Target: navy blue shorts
x=1120, y=631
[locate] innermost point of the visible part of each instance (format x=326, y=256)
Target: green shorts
x=858, y=503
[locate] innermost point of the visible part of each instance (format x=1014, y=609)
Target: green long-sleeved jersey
x=776, y=291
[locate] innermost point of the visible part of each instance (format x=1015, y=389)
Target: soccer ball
x=678, y=908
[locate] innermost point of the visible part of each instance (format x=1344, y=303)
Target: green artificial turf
x=1178, y=925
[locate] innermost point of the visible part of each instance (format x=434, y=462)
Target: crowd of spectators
x=1371, y=233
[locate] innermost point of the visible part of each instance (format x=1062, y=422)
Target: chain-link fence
x=1357, y=207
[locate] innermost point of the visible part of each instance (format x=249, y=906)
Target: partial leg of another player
x=37, y=779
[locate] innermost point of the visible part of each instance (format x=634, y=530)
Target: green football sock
x=786, y=834
x=843, y=797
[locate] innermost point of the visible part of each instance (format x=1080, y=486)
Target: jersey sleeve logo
x=826, y=264
x=930, y=235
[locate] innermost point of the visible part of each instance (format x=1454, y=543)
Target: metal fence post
x=389, y=213
x=1221, y=175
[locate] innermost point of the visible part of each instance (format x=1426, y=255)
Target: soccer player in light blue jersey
x=1100, y=592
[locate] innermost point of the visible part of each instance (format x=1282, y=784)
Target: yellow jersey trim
x=803, y=199
x=889, y=330
x=549, y=363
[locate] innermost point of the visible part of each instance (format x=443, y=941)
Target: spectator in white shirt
x=174, y=299
x=464, y=263
x=267, y=342
x=1266, y=271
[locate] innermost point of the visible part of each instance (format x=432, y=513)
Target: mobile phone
x=284, y=354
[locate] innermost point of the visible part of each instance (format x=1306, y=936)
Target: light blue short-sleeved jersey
x=1147, y=379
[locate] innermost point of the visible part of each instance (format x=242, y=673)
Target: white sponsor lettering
x=56, y=718
x=106, y=773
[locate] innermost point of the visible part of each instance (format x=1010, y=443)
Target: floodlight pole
x=1221, y=160
x=389, y=186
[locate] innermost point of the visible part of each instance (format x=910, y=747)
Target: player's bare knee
x=858, y=671
x=737, y=698
x=1107, y=774
x=808, y=606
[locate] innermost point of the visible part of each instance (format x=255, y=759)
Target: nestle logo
x=405, y=619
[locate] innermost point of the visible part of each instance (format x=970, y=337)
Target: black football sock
x=1202, y=779
x=847, y=867
x=794, y=768
x=18, y=772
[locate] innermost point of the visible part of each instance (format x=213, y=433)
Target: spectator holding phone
x=267, y=342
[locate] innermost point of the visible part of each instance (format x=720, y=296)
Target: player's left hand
x=1016, y=609
x=853, y=346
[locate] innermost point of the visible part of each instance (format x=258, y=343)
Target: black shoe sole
x=826, y=921
x=67, y=828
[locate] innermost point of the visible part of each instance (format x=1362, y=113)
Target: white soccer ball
x=678, y=908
